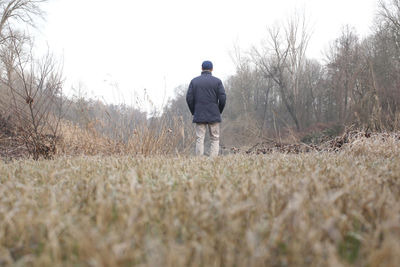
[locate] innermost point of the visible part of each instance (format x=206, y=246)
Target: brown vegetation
x=335, y=144
x=157, y=138
x=313, y=209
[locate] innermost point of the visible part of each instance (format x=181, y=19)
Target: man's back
x=206, y=98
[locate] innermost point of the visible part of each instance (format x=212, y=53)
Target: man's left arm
x=221, y=97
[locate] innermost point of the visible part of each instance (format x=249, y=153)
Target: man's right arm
x=190, y=98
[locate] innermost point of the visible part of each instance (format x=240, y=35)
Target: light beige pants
x=201, y=129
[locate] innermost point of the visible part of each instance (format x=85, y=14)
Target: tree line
x=278, y=90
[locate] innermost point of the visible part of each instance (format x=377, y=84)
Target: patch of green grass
x=350, y=247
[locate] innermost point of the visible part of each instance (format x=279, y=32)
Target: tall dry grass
x=146, y=139
x=315, y=209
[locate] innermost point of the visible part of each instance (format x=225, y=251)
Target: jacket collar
x=206, y=72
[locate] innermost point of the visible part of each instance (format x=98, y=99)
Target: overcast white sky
x=159, y=44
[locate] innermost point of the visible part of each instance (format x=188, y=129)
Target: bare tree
x=282, y=59
x=18, y=11
x=343, y=69
x=389, y=13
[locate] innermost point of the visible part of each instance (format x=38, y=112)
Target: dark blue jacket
x=206, y=98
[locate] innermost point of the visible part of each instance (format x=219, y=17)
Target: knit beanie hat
x=207, y=65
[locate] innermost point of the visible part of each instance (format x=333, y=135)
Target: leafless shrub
x=34, y=95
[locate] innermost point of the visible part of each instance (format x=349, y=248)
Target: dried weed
x=313, y=209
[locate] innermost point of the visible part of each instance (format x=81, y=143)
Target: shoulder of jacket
x=217, y=79
x=196, y=78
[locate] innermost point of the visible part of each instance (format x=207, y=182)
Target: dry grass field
x=312, y=209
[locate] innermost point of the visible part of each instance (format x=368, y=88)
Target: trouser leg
x=200, y=134
x=214, y=137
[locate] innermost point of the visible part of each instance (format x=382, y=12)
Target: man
x=206, y=99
